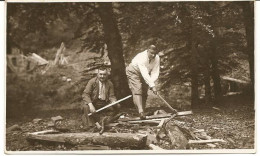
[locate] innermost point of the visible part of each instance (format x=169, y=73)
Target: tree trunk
x=207, y=80
x=248, y=11
x=115, y=49
x=214, y=43
x=192, y=47
x=216, y=77
x=194, y=75
x=135, y=141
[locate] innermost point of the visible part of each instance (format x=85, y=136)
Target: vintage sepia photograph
x=129, y=77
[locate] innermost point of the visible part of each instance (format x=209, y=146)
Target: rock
x=50, y=124
x=13, y=128
x=37, y=120
x=57, y=118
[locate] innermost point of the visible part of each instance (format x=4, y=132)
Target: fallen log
x=205, y=141
x=135, y=141
x=50, y=131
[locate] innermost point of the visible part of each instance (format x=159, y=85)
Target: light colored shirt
x=149, y=68
x=102, y=91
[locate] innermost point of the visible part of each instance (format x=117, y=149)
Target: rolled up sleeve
x=156, y=70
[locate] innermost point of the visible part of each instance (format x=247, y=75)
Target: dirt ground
x=234, y=123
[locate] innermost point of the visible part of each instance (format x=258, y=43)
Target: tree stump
x=178, y=140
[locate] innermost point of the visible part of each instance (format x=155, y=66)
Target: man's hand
x=154, y=90
x=92, y=108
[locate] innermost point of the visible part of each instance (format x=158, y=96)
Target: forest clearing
x=199, y=77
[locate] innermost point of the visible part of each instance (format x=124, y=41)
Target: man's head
x=152, y=52
x=102, y=74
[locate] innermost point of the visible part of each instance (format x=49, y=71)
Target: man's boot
x=138, y=102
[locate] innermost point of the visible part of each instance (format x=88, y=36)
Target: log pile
x=157, y=132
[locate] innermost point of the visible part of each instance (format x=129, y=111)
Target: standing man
x=98, y=93
x=142, y=72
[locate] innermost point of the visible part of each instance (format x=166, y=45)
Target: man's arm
x=156, y=70
x=86, y=96
x=145, y=74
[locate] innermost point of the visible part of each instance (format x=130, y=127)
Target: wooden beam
x=147, y=117
x=205, y=141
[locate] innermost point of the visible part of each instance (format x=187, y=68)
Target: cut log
x=184, y=113
x=178, y=140
x=134, y=141
x=51, y=131
x=205, y=141
x=93, y=147
x=147, y=117
x=154, y=147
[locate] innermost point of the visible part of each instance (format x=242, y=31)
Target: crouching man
x=98, y=93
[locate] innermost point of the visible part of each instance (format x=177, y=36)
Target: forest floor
x=234, y=122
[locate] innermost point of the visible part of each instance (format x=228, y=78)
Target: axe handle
x=167, y=104
x=111, y=104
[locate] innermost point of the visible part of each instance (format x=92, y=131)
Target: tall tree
x=115, y=49
x=248, y=12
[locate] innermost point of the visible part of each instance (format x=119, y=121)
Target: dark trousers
x=90, y=121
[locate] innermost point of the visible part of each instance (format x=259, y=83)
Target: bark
x=177, y=138
x=135, y=141
x=248, y=12
x=115, y=49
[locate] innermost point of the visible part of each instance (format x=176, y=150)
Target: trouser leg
x=87, y=121
x=144, y=96
x=138, y=100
